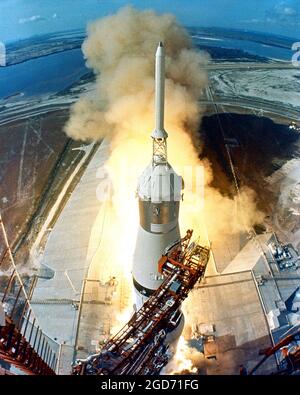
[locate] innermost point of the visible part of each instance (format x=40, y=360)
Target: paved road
x=255, y=104
x=249, y=66
x=23, y=112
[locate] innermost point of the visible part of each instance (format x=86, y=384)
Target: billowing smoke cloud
x=120, y=49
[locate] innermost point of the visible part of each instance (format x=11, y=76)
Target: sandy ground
x=281, y=86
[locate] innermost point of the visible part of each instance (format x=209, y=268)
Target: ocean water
x=47, y=74
x=53, y=73
x=253, y=48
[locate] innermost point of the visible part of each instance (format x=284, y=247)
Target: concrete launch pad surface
x=231, y=304
x=246, y=306
x=68, y=252
x=100, y=316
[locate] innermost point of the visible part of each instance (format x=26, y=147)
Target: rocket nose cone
x=160, y=49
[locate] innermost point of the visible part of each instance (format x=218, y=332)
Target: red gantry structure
x=24, y=348
x=290, y=355
x=140, y=347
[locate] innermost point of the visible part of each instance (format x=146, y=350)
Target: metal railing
x=22, y=341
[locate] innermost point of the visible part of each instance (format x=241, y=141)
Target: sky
x=25, y=18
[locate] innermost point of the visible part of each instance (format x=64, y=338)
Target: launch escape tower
x=159, y=135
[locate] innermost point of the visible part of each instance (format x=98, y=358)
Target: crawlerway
x=117, y=385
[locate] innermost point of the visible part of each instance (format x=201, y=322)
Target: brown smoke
x=120, y=49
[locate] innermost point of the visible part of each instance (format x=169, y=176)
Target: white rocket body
x=159, y=131
x=159, y=193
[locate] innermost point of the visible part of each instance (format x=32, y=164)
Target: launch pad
x=140, y=347
x=240, y=302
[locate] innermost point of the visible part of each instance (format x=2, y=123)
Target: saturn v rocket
x=159, y=193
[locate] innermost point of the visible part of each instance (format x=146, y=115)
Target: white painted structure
x=159, y=194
